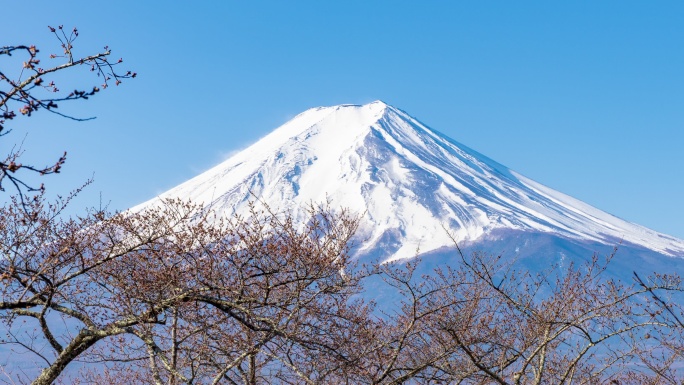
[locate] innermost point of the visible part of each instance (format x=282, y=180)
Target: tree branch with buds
x=36, y=89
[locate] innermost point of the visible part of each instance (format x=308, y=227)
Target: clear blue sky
x=586, y=97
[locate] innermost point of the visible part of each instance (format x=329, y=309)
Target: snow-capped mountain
x=413, y=184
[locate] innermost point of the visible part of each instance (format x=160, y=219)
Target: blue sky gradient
x=585, y=97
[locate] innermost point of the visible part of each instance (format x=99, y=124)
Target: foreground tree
x=570, y=325
x=201, y=300
x=51, y=278
x=176, y=295
x=261, y=299
x=28, y=86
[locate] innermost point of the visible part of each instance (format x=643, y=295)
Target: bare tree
x=483, y=322
x=265, y=299
x=30, y=87
x=180, y=296
x=52, y=277
x=663, y=350
x=177, y=295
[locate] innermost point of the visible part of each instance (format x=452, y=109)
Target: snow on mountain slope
x=413, y=184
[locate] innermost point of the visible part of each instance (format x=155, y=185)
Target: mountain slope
x=413, y=184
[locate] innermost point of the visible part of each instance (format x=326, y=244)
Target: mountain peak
x=417, y=188
x=354, y=112
x=379, y=103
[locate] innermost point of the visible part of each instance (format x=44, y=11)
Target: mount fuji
x=417, y=189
